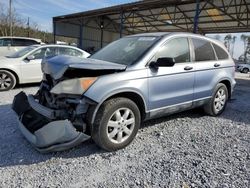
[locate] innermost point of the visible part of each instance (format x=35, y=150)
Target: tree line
x=229, y=42
x=23, y=27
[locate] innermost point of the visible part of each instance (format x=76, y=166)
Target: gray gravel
x=185, y=150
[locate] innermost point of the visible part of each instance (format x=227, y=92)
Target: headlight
x=73, y=86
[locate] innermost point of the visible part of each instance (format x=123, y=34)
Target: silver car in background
x=243, y=67
x=24, y=66
x=131, y=80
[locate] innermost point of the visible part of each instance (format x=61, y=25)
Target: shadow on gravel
x=23, y=86
x=15, y=150
x=194, y=113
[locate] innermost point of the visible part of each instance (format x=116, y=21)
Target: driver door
x=171, y=87
x=31, y=65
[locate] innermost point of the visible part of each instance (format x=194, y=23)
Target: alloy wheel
x=120, y=125
x=220, y=100
x=5, y=81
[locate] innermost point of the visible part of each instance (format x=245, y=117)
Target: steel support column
x=121, y=23
x=54, y=32
x=80, y=36
x=196, y=18
x=102, y=26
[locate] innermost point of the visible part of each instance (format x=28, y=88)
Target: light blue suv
x=131, y=80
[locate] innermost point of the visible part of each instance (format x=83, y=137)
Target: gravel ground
x=185, y=150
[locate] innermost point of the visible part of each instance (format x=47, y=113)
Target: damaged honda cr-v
x=133, y=79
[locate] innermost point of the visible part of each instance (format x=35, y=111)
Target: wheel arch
x=132, y=95
x=228, y=85
x=13, y=72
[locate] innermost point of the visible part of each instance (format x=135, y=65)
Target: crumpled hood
x=58, y=65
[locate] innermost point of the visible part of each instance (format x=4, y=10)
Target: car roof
x=27, y=38
x=163, y=34
x=55, y=45
x=184, y=34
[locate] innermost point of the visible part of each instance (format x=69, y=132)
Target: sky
x=42, y=11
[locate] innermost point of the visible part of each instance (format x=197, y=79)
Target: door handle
x=216, y=65
x=188, y=68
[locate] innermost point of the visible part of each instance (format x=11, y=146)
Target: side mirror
x=30, y=57
x=163, y=62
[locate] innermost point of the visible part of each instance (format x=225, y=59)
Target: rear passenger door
x=207, y=68
x=171, y=88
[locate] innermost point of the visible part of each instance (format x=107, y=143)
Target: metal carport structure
x=99, y=27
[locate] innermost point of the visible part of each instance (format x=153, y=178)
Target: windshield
x=22, y=52
x=126, y=51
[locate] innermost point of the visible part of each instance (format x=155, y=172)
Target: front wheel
x=218, y=102
x=7, y=80
x=116, y=124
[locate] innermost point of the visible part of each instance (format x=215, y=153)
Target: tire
x=245, y=70
x=218, y=102
x=7, y=80
x=112, y=131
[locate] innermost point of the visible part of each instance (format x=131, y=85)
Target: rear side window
x=203, y=50
x=1, y=42
x=221, y=54
x=23, y=42
x=6, y=42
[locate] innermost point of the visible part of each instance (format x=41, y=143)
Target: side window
x=177, y=48
x=40, y=53
x=70, y=52
x=221, y=54
x=44, y=52
x=6, y=42
x=51, y=51
x=1, y=42
x=28, y=42
x=23, y=42
x=203, y=50
x=18, y=42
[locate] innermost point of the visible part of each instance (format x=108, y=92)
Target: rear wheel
x=245, y=70
x=218, y=102
x=7, y=80
x=116, y=124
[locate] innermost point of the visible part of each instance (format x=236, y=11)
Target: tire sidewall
x=13, y=80
x=121, y=103
x=218, y=87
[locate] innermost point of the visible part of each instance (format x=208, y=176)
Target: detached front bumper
x=38, y=124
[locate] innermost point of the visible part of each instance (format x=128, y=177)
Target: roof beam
x=225, y=12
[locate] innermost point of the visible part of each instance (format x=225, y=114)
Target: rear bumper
x=233, y=85
x=39, y=126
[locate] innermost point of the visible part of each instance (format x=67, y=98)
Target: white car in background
x=9, y=45
x=24, y=66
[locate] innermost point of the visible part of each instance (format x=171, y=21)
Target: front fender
x=113, y=84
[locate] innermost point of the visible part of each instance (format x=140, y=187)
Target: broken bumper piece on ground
x=37, y=125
